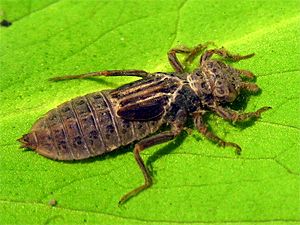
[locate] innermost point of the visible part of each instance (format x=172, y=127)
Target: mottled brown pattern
x=101, y=122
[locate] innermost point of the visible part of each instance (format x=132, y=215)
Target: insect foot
x=149, y=111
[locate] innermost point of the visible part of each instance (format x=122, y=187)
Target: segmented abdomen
x=86, y=126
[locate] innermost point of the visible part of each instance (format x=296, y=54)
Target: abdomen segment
x=84, y=127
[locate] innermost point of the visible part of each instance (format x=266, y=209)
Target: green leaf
x=196, y=182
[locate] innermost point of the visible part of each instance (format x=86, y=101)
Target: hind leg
x=176, y=127
x=136, y=73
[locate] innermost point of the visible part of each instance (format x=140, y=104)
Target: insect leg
x=202, y=128
x=197, y=50
x=191, y=54
x=177, y=66
x=176, y=128
x=224, y=54
x=251, y=87
x=246, y=73
x=231, y=115
x=136, y=73
x=142, y=145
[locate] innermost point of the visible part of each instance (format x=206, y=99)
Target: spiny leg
x=136, y=73
x=231, y=115
x=148, y=142
x=224, y=54
x=190, y=52
x=202, y=128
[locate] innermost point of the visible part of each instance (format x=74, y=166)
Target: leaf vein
x=150, y=220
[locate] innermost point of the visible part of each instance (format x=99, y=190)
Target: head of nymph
x=215, y=82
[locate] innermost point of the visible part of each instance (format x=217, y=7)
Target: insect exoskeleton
x=101, y=122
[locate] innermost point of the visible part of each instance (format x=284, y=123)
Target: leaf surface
x=196, y=182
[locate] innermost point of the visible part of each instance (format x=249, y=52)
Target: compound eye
x=219, y=83
x=204, y=87
x=221, y=91
x=220, y=88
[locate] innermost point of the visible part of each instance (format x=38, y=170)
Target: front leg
x=176, y=128
x=197, y=50
x=246, y=73
x=173, y=60
x=191, y=53
x=251, y=87
x=202, y=128
x=231, y=115
x=222, y=52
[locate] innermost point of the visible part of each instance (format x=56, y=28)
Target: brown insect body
x=103, y=121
